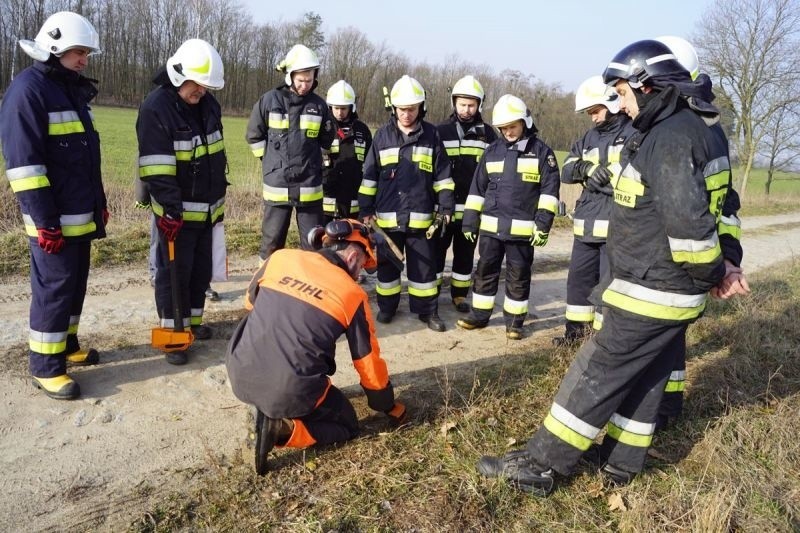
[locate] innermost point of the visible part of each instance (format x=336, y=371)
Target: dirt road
x=143, y=428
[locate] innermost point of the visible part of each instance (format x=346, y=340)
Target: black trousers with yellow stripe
x=420, y=255
x=194, y=262
x=463, y=258
x=588, y=263
x=58, y=288
x=276, y=221
x=616, y=381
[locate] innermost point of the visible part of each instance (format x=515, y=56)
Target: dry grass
x=731, y=464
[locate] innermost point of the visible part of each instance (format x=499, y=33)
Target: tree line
x=749, y=47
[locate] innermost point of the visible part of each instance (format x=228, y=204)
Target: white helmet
x=593, y=91
x=407, y=91
x=61, y=32
x=198, y=61
x=684, y=52
x=469, y=87
x=509, y=109
x=298, y=59
x=342, y=93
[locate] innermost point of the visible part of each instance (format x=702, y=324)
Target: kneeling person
x=282, y=353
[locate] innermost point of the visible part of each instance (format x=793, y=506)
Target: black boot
x=470, y=322
x=516, y=466
x=434, y=322
x=269, y=432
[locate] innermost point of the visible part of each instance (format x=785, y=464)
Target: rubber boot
x=59, y=388
x=84, y=357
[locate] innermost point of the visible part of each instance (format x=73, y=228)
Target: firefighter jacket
x=282, y=353
x=515, y=187
x=182, y=155
x=343, y=166
x=601, y=145
x=663, y=245
x=52, y=151
x=464, y=144
x=287, y=131
x=405, y=177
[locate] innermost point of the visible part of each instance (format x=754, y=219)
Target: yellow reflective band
x=628, y=185
x=72, y=329
x=47, y=348
x=28, y=184
x=577, y=226
x=528, y=165
x=675, y=386
x=65, y=128
x=422, y=290
x=626, y=437
x=472, y=150
x=571, y=437
x=600, y=229
x=310, y=194
x=422, y=158
x=734, y=231
x=548, y=203
x=275, y=194
x=367, y=191
x=194, y=216
x=488, y=224
x=388, y=291
x=697, y=257
x=77, y=230
x=196, y=321
x=495, y=167
x=718, y=181
x=474, y=202
x=483, y=302
x=458, y=283
x=514, y=307
x=156, y=170
x=650, y=309
x=419, y=224
x=521, y=228
x=444, y=185
x=579, y=313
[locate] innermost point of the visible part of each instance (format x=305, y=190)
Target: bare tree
x=750, y=48
x=782, y=141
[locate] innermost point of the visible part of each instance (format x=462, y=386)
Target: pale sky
x=560, y=42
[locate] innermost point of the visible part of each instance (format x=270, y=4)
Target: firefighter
x=52, y=156
x=182, y=160
x=289, y=128
x=664, y=257
x=728, y=226
x=307, y=300
x=343, y=166
x=512, y=203
x=406, y=173
x=465, y=137
x=593, y=162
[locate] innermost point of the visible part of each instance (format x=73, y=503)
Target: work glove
x=397, y=415
x=539, y=237
x=169, y=227
x=141, y=205
x=469, y=236
x=599, y=178
x=50, y=240
x=106, y=216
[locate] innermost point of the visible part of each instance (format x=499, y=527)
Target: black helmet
x=642, y=60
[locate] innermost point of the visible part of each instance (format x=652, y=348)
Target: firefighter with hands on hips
x=282, y=353
x=512, y=203
x=343, y=165
x=728, y=224
x=182, y=160
x=664, y=256
x=406, y=174
x=289, y=128
x=593, y=162
x=465, y=137
x=52, y=156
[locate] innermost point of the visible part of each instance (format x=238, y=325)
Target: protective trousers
x=617, y=378
x=275, y=225
x=58, y=288
x=463, y=254
x=420, y=255
x=193, y=259
x=672, y=402
x=334, y=420
x=519, y=258
x=587, y=266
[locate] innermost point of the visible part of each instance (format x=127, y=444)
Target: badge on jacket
x=551, y=160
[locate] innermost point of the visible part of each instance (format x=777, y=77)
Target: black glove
x=581, y=169
x=599, y=178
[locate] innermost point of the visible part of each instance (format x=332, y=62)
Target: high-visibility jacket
x=344, y=167
x=405, y=176
x=464, y=145
x=182, y=155
x=663, y=244
x=287, y=131
x=282, y=353
x=601, y=145
x=515, y=186
x=52, y=151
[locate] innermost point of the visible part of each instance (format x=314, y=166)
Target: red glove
x=170, y=226
x=397, y=415
x=106, y=216
x=50, y=240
